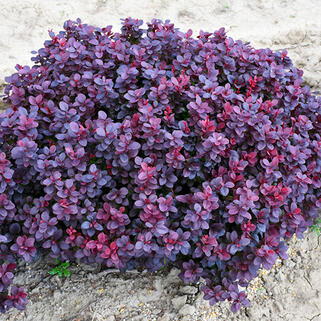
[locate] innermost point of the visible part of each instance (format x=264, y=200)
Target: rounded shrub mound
x=150, y=147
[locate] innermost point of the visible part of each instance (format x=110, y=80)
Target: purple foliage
x=149, y=147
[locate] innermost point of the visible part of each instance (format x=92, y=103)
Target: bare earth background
x=292, y=289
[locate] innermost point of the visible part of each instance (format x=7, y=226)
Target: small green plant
x=61, y=269
x=317, y=227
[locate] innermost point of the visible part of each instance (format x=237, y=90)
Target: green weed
x=61, y=269
x=317, y=227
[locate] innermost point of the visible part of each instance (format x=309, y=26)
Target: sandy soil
x=292, y=289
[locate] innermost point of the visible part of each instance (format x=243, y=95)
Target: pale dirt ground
x=292, y=290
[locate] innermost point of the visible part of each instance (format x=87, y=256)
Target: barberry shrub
x=150, y=147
